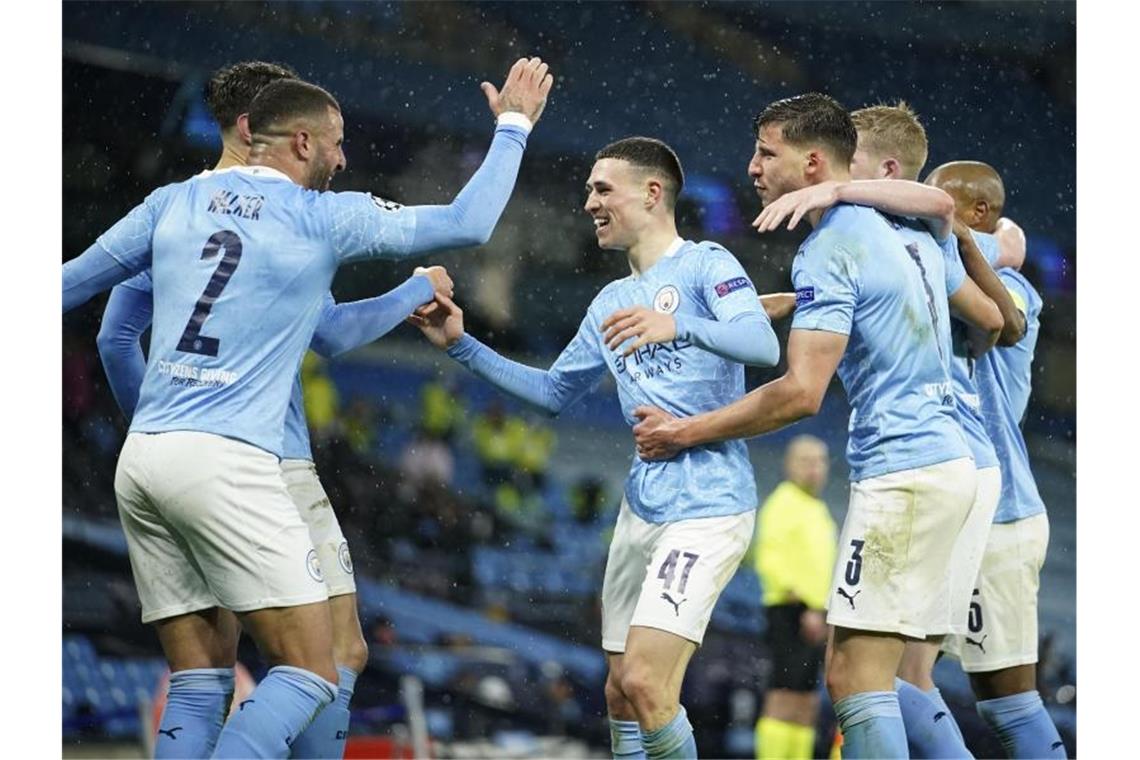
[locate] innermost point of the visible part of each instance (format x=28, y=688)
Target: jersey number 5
x=192, y=341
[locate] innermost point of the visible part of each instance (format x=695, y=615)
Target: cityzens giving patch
x=667, y=300
x=314, y=566
x=344, y=558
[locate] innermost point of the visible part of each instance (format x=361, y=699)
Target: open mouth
x=601, y=224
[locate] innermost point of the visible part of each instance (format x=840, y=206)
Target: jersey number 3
x=193, y=341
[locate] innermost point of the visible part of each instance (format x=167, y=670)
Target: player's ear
x=303, y=143
x=814, y=162
x=243, y=129
x=981, y=209
x=654, y=192
x=890, y=168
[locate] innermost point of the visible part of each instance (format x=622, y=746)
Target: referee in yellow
x=794, y=555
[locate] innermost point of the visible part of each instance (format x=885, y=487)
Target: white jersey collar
x=253, y=171
x=673, y=247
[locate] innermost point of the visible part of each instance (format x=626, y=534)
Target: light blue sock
x=1023, y=725
x=936, y=697
x=196, y=707
x=625, y=740
x=326, y=735
x=872, y=725
x=673, y=741
x=277, y=711
x=930, y=727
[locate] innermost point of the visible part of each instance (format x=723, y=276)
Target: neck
x=651, y=246
x=233, y=154
x=838, y=175
x=268, y=156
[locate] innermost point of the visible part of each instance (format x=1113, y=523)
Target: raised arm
x=898, y=197
x=345, y=326
x=1011, y=244
x=577, y=369
x=127, y=316
x=361, y=226
x=981, y=273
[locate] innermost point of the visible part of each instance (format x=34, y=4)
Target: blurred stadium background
x=478, y=529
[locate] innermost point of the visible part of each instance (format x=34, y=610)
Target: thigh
x=690, y=563
x=892, y=571
x=316, y=511
x=867, y=661
x=660, y=656
x=167, y=577
x=228, y=501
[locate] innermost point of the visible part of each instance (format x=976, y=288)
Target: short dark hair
x=232, y=88
x=284, y=100
x=653, y=154
x=813, y=119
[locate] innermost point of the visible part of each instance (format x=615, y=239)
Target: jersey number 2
x=193, y=341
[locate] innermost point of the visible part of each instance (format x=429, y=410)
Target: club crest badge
x=667, y=300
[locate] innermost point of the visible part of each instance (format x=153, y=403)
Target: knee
x=616, y=702
x=640, y=688
x=837, y=678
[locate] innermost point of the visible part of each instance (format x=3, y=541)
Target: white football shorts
x=324, y=529
x=1002, y=629
x=966, y=561
x=209, y=522
x=668, y=576
x=892, y=570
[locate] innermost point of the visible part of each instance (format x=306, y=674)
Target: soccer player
x=676, y=333
x=342, y=327
x=208, y=518
x=999, y=651
x=794, y=555
x=867, y=306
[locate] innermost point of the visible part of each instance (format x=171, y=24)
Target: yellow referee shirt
x=794, y=549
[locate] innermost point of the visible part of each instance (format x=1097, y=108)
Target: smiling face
x=777, y=167
x=616, y=200
x=328, y=151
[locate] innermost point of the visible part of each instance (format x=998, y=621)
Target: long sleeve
x=88, y=275
x=361, y=226
x=470, y=219
x=576, y=370
x=748, y=338
x=126, y=318
x=345, y=326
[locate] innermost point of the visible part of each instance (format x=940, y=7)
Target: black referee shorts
x=796, y=664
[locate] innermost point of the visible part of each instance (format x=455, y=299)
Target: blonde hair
x=893, y=132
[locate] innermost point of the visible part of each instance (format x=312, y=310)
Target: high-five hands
x=525, y=90
x=441, y=321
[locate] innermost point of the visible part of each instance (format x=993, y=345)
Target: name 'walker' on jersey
x=854, y=275
x=240, y=261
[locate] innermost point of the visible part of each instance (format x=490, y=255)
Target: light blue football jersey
x=240, y=261
x=296, y=443
x=1005, y=377
x=696, y=280
x=962, y=374
x=856, y=276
